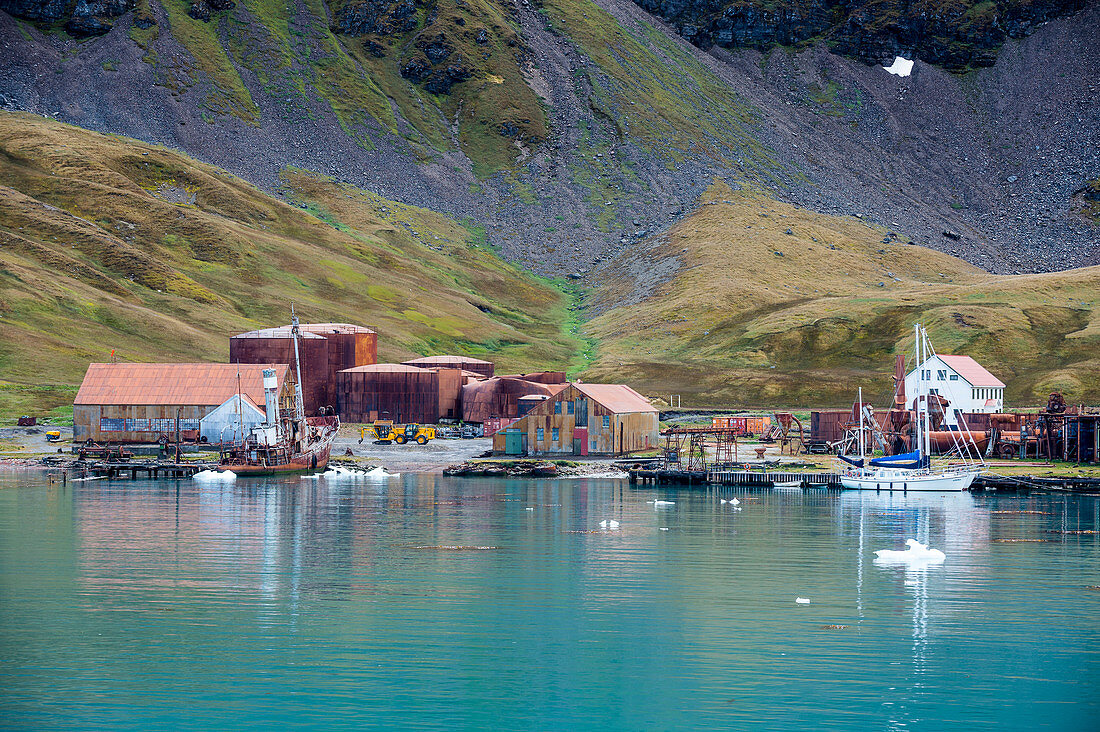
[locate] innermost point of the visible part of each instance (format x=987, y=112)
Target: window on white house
x=953, y=377
x=941, y=375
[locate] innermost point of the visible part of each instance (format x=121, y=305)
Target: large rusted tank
x=348, y=346
x=468, y=363
x=276, y=345
x=326, y=349
x=389, y=391
x=499, y=397
x=542, y=377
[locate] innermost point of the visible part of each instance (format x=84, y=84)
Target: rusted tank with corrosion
x=276, y=345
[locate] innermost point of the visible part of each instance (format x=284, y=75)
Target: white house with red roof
x=962, y=381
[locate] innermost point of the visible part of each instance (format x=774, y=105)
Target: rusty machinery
x=688, y=446
x=788, y=439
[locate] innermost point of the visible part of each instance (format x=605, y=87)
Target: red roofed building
x=137, y=402
x=583, y=419
x=965, y=383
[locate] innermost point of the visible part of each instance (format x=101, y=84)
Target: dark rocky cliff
x=955, y=34
x=82, y=18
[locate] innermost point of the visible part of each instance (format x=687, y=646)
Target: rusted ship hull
x=277, y=460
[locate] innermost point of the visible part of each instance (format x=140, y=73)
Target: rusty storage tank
x=276, y=345
x=468, y=363
x=348, y=346
x=498, y=397
x=389, y=391
x=542, y=377
x=450, y=393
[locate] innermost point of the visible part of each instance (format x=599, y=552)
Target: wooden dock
x=986, y=482
x=145, y=469
x=731, y=477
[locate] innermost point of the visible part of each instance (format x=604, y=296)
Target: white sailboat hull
x=899, y=480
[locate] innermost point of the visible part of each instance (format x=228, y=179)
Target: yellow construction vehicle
x=385, y=432
x=53, y=436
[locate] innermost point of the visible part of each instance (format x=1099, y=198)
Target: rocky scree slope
x=570, y=131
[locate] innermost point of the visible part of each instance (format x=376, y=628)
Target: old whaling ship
x=285, y=442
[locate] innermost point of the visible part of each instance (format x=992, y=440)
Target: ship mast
x=300, y=410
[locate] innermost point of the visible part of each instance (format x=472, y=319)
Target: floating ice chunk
x=900, y=67
x=529, y=508
x=380, y=472
x=612, y=524
x=802, y=600
x=215, y=476
x=732, y=501
x=917, y=553
x=662, y=504
x=664, y=528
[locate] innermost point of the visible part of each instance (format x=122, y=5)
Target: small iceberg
x=380, y=472
x=662, y=504
x=215, y=476
x=900, y=67
x=609, y=524
x=802, y=600
x=732, y=501
x=917, y=553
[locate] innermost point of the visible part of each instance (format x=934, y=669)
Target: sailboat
x=284, y=443
x=912, y=471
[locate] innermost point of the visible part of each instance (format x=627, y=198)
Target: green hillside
x=775, y=305
x=108, y=244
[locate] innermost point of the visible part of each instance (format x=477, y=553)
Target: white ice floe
x=92, y=477
x=732, y=501
x=917, y=553
x=215, y=476
x=609, y=524
x=529, y=508
x=664, y=528
x=380, y=472
x=802, y=600
x=662, y=504
x=900, y=67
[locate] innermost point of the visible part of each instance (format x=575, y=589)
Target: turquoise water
x=287, y=603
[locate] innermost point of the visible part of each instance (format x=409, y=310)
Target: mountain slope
x=107, y=244
x=566, y=128
x=757, y=303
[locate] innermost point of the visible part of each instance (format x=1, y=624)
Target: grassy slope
x=740, y=324
x=93, y=258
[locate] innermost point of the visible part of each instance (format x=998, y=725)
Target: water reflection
x=421, y=600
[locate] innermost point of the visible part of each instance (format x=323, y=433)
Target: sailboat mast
x=861, y=440
x=300, y=411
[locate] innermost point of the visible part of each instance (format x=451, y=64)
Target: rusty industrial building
x=466, y=363
x=398, y=392
x=325, y=350
x=583, y=419
x=140, y=402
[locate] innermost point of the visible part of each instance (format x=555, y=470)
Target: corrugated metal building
x=137, y=402
x=390, y=391
x=467, y=363
x=584, y=419
x=325, y=350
